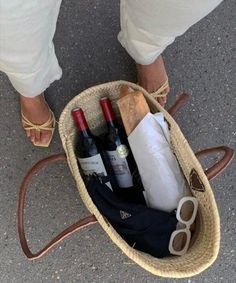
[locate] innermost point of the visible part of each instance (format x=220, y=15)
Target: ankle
x=29, y=102
x=28, y=99
x=158, y=63
x=35, y=109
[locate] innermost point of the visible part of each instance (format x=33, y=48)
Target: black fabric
x=143, y=228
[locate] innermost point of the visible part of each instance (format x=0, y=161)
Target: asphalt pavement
x=201, y=62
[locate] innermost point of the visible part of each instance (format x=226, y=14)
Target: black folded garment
x=143, y=228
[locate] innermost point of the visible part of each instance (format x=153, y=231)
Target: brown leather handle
x=211, y=173
x=180, y=101
x=217, y=168
x=20, y=211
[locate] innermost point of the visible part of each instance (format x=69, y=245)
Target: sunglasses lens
x=179, y=241
x=186, y=211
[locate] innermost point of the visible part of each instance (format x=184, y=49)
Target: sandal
x=49, y=125
x=161, y=91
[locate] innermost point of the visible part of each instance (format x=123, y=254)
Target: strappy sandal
x=161, y=91
x=49, y=125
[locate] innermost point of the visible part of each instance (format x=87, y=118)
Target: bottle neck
x=81, y=123
x=108, y=113
x=85, y=133
x=112, y=124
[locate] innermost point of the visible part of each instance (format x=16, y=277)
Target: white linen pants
x=27, y=54
x=149, y=26
x=27, y=28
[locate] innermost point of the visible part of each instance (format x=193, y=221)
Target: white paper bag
x=161, y=175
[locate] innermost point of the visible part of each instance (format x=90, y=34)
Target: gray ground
x=201, y=62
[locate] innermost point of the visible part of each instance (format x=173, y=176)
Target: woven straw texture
x=205, y=242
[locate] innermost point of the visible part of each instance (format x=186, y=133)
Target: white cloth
x=160, y=172
x=149, y=26
x=27, y=52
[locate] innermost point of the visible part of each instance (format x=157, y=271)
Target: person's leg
x=149, y=26
x=28, y=58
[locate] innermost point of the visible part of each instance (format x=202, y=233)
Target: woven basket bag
x=205, y=242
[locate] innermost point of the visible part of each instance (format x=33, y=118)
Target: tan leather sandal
x=161, y=92
x=49, y=125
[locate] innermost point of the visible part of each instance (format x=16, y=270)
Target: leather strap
x=218, y=167
x=211, y=173
x=161, y=92
x=20, y=212
x=180, y=101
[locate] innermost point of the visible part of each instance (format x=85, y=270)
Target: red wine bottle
x=89, y=152
x=120, y=155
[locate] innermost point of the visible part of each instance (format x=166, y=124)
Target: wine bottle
x=89, y=152
x=120, y=155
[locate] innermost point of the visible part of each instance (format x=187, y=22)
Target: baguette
x=133, y=108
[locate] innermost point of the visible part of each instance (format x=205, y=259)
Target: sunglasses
x=186, y=215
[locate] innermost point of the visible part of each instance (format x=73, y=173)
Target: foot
x=152, y=77
x=37, y=112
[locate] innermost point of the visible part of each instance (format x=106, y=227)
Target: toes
x=162, y=101
x=42, y=137
x=35, y=136
x=45, y=137
x=27, y=134
x=32, y=136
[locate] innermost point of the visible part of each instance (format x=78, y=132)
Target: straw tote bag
x=206, y=238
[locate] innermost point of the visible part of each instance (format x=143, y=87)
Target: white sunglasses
x=180, y=238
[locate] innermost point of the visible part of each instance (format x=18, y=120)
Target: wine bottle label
x=92, y=165
x=122, y=151
x=121, y=169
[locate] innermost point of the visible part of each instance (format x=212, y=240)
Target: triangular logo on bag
x=196, y=183
x=124, y=215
